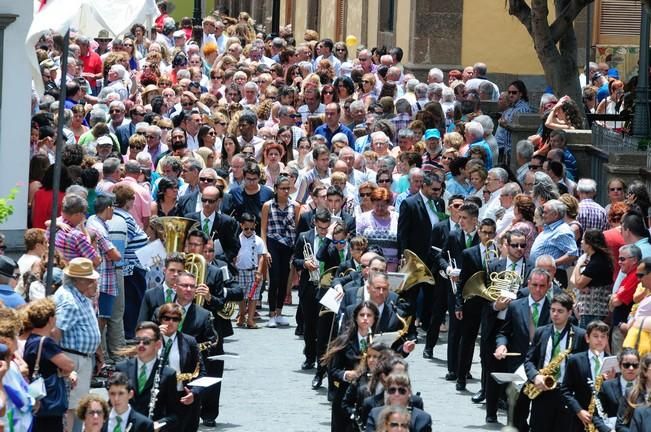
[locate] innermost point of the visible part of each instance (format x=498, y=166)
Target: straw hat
x=81, y=268
x=103, y=36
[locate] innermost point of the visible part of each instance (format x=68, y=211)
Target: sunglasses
x=206, y=179
x=365, y=195
x=208, y=200
x=513, y=92
x=116, y=111
x=535, y=167
x=393, y=390
x=627, y=365
x=518, y=245
x=170, y=318
x=384, y=181
x=400, y=425
x=339, y=242
x=145, y=341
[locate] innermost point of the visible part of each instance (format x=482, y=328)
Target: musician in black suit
x=641, y=421
x=156, y=296
x=418, y=214
x=581, y=373
x=547, y=263
x=457, y=242
x=444, y=298
x=198, y=323
x=469, y=312
x=343, y=357
x=356, y=290
x=397, y=392
x=120, y=391
x=559, y=338
x=522, y=318
x=181, y=353
x=318, y=194
x=142, y=371
x=493, y=315
x=191, y=202
x=307, y=289
x=216, y=225
x=614, y=391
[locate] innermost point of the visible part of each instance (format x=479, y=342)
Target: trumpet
x=308, y=255
x=453, y=264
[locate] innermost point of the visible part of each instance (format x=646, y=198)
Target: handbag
x=638, y=338
x=54, y=403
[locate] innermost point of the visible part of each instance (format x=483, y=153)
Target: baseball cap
x=179, y=34
x=432, y=133
x=104, y=140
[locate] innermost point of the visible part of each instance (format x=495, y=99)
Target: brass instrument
x=325, y=282
x=196, y=264
x=416, y=270
x=503, y=284
x=595, y=402
x=549, y=372
x=308, y=255
x=188, y=376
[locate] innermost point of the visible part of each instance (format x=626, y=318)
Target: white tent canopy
x=86, y=17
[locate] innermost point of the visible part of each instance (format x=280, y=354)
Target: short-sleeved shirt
x=599, y=269
x=92, y=64
x=50, y=349
x=107, y=276
x=142, y=202
x=74, y=244
x=326, y=132
x=77, y=320
x=136, y=238
x=250, y=249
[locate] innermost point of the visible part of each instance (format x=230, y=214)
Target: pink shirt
x=142, y=204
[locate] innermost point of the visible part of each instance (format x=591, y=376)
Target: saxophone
x=549, y=372
x=188, y=376
x=595, y=402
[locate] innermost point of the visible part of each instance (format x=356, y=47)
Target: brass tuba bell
x=416, y=270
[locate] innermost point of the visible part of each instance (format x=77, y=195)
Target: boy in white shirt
x=250, y=265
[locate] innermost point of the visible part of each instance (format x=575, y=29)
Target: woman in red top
x=44, y=197
x=614, y=239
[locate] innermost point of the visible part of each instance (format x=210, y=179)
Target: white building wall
x=15, y=114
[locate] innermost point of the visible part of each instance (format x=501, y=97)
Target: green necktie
x=597, y=367
x=556, y=344
x=535, y=314
x=430, y=204
x=468, y=240
x=206, y=227
x=513, y=266
x=118, y=427
x=342, y=256
x=168, y=295
x=142, y=378
x=629, y=384
x=321, y=264
x=182, y=320
x=363, y=345
x=457, y=227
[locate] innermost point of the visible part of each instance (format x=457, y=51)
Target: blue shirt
x=644, y=246
x=325, y=131
x=10, y=297
x=453, y=187
x=556, y=239
x=77, y=321
x=489, y=154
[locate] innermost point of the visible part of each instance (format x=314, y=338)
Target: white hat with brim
x=81, y=268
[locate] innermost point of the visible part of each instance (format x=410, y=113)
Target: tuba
x=416, y=270
x=173, y=231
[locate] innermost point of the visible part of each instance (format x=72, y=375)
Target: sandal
x=252, y=326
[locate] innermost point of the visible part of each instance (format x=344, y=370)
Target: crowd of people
x=300, y=163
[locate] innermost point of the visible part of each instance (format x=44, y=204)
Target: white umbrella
x=87, y=17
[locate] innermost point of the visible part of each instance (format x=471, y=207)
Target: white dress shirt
x=433, y=217
x=562, y=344
x=174, y=357
x=123, y=423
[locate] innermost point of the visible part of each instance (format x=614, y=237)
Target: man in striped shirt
x=75, y=241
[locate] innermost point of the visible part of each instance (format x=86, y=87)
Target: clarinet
x=155, y=389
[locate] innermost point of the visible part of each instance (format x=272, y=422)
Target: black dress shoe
x=209, y=422
x=479, y=397
x=461, y=386
x=468, y=376
x=491, y=419
x=427, y=353
x=451, y=376
x=299, y=331
x=317, y=381
x=307, y=365
x=502, y=405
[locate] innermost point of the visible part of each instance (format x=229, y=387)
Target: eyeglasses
x=137, y=147
x=185, y=104
x=487, y=233
x=365, y=194
x=247, y=229
x=151, y=136
x=206, y=179
x=92, y=413
x=615, y=189
x=622, y=259
x=384, y=181
x=340, y=49
x=128, y=45
x=393, y=390
x=339, y=242
x=366, y=82
x=535, y=167
x=627, y=365
x=518, y=245
x=145, y=341
x=186, y=285
x=115, y=111
x=400, y=425
x=15, y=276
x=137, y=113
x=211, y=133
x=456, y=206
x=170, y=318
x=222, y=123
x=208, y=200
x=436, y=189
x=513, y=92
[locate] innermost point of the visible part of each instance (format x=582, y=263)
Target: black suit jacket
x=189, y=358
x=197, y=323
x=576, y=392
x=329, y=254
x=377, y=400
x=152, y=300
x=135, y=423
x=299, y=259
x=306, y=222
x=167, y=403
x=611, y=395
x=415, y=229
x=470, y=264
x=641, y=421
x=233, y=292
x=515, y=331
x=536, y=355
x=455, y=244
x=224, y=229
x=188, y=203
x=420, y=420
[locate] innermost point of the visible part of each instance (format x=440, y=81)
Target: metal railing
x=609, y=140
